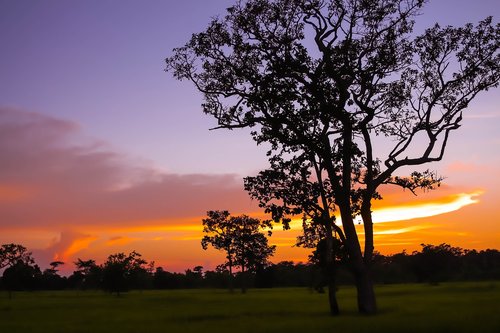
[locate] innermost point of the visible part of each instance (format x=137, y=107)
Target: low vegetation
x=121, y=272
x=448, y=307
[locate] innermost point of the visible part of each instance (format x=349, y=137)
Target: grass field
x=451, y=307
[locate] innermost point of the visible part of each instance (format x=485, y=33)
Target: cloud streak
x=409, y=212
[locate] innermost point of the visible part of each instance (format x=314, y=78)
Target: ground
x=449, y=307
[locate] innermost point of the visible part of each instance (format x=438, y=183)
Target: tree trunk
x=231, y=285
x=243, y=280
x=361, y=269
x=332, y=292
x=366, y=294
x=330, y=270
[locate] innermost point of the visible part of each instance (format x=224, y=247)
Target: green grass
x=451, y=307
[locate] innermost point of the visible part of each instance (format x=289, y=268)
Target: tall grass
x=452, y=307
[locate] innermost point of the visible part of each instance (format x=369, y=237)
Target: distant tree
x=167, y=280
x=240, y=237
x=88, y=274
x=338, y=82
x=481, y=265
x=218, y=278
x=437, y=263
x=50, y=278
x=20, y=272
x=11, y=254
x=194, y=278
x=118, y=270
x=21, y=276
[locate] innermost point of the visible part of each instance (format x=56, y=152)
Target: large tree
x=346, y=85
x=240, y=238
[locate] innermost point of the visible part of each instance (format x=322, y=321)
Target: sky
x=101, y=151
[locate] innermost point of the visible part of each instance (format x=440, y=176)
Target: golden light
x=76, y=246
x=409, y=212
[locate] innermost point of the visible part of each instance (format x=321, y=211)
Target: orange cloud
x=76, y=246
x=9, y=193
x=460, y=166
x=120, y=240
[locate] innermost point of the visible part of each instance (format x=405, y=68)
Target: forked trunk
x=360, y=268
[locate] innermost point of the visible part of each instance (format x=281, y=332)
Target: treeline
x=122, y=272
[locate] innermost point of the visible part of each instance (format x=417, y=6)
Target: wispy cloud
x=63, y=182
x=408, y=212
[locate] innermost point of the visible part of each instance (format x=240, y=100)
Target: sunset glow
x=103, y=152
x=408, y=212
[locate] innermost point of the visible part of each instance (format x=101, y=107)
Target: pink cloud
x=76, y=184
x=462, y=167
x=64, y=248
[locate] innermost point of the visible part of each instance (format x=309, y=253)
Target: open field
x=451, y=307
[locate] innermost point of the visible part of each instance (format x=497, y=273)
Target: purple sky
x=85, y=105
x=100, y=63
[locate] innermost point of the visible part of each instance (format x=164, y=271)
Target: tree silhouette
x=301, y=188
x=435, y=263
x=21, y=273
x=21, y=276
x=240, y=237
x=118, y=270
x=11, y=254
x=50, y=278
x=88, y=274
x=340, y=82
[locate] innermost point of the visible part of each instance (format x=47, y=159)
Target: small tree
x=240, y=237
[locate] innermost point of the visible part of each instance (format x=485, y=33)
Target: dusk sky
x=101, y=151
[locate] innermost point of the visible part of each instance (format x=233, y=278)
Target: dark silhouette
x=11, y=254
x=121, y=272
x=51, y=280
x=21, y=273
x=88, y=275
x=21, y=276
x=433, y=264
x=291, y=178
x=319, y=80
x=240, y=238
